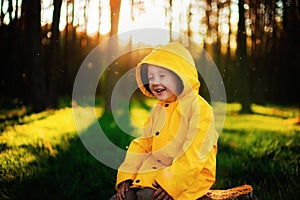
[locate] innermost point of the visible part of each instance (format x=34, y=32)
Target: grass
x=42, y=157
x=261, y=149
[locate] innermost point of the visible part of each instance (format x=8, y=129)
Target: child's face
x=163, y=83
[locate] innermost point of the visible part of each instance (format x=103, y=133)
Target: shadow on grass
x=72, y=173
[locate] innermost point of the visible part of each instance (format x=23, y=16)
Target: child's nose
x=155, y=81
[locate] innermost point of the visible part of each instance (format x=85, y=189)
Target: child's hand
x=160, y=193
x=122, y=189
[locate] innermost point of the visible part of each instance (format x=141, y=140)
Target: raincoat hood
x=174, y=57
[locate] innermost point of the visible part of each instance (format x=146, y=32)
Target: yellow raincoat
x=179, y=144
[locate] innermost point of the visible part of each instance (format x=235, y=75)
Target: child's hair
x=145, y=81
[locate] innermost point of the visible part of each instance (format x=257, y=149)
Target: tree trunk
x=115, y=12
x=242, y=192
x=52, y=76
x=110, y=78
x=242, y=61
x=31, y=11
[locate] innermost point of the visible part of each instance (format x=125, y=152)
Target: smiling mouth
x=159, y=90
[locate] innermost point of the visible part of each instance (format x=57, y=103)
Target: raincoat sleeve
x=137, y=151
x=200, y=141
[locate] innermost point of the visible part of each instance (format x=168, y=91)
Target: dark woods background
x=39, y=63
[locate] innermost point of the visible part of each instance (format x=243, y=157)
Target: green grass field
x=42, y=156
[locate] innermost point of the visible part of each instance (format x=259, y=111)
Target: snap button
x=166, y=105
x=137, y=181
x=157, y=133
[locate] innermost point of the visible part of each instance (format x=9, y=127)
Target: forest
x=255, y=46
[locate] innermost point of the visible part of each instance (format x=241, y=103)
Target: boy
x=175, y=158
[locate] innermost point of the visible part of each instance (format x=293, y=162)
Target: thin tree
x=114, y=16
x=54, y=55
x=242, y=61
x=31, y=11
x=110, y=78
x=10, y=10
x=1, y=12
x=168, y=15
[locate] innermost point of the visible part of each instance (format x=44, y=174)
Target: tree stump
x=243, y=192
